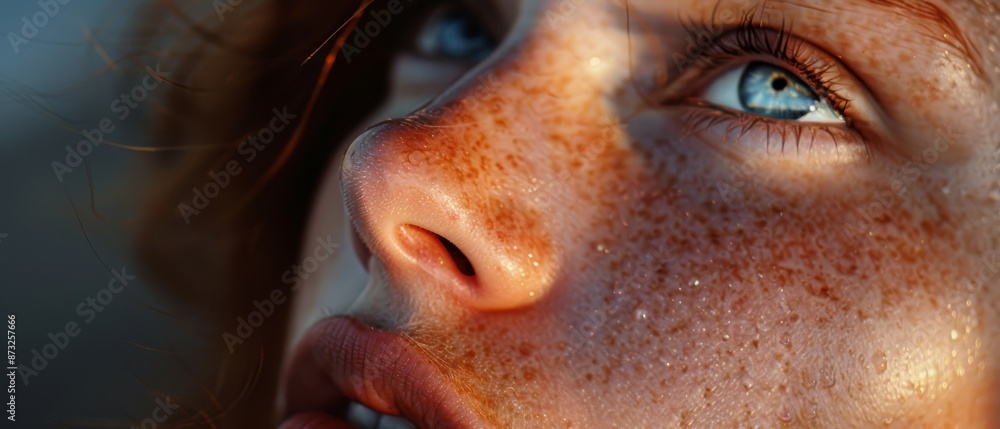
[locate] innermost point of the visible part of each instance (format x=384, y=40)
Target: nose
x=441, y=208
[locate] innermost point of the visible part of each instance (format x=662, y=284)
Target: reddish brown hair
x=227, y=78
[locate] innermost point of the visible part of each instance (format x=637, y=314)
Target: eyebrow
x=936, y=23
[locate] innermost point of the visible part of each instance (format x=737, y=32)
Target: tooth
x=361, y=416
x=393, y=422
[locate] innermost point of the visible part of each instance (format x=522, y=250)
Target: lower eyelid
x=747, y=136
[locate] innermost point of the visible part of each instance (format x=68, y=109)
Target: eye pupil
x=779, y=84
x=469, y=30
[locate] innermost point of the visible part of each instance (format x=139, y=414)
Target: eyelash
x=751, y=37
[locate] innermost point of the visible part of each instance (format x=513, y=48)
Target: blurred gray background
x=55, y=85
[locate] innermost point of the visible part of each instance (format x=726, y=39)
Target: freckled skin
x=658, y=299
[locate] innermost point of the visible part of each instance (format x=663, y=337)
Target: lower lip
x=323, y=375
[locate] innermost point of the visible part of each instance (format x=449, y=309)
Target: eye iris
x=771, y=91
x=457, y=35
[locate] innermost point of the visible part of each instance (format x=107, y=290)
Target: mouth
x=362, y=377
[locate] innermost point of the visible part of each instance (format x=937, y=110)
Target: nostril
x=461, y=261
x=433, y=251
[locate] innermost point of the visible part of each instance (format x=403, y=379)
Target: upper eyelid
x=923, y=26
x=787, y=47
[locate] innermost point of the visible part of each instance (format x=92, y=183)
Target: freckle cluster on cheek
x=766, y=298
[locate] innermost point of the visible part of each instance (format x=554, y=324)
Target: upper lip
x=342, y=359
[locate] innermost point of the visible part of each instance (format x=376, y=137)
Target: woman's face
x=668, y=214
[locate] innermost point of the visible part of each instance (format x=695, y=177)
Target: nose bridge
x=548, y=53
x=472, y=168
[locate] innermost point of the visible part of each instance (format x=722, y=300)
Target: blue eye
x=770, y=91
x=456, y=35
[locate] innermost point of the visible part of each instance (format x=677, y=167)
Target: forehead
x=976, y=22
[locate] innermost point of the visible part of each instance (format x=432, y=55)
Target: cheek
x=799, y=294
